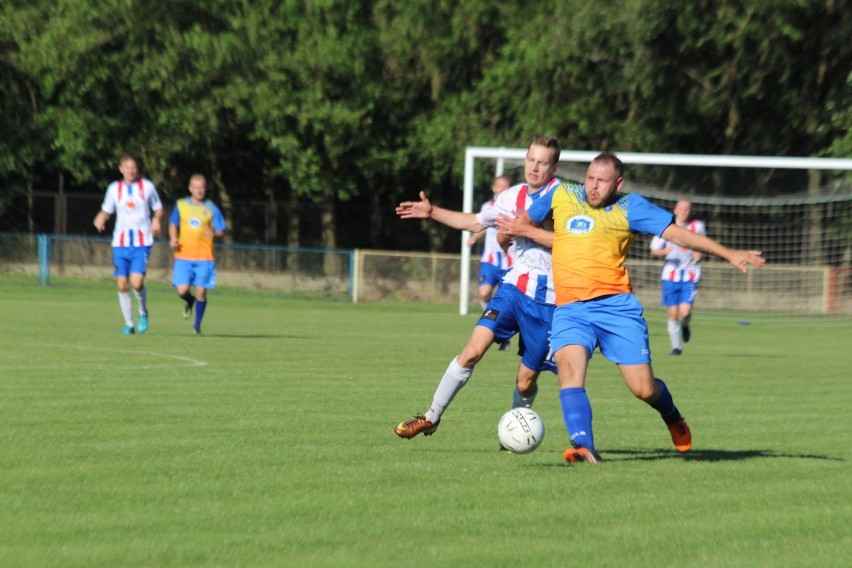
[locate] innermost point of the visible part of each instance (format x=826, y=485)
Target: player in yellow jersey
x=594, y=226
x=194, y=223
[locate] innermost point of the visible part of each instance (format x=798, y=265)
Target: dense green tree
x=24, y=143
x=710, y=77
x=318, y=104
x=154, y=79
x=310, y=97
x=434, y=53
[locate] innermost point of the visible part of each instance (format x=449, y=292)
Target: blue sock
x=577, y=413
x=519, y=400
x=199, y=312
x=665, y=405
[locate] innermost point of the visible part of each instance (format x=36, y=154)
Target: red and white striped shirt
x=132, y=205
x=532, y=272
x=680, y=264
x=492, y=252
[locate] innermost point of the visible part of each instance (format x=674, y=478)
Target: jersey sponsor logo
x=490, y=314
x=195, y=222
x=580, y=225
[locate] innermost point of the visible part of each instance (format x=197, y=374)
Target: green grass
x=268, y=442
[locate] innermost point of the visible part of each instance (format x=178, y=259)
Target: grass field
x=268, y=442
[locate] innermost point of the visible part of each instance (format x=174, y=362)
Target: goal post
x=805, y=230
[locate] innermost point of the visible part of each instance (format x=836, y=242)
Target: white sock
x=142, y=300
x=451, y=383
x=674, y=334
x=126, y=306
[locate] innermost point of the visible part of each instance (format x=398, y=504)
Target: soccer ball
x=521, y=430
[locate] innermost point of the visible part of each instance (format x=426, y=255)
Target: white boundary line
x=190, y=362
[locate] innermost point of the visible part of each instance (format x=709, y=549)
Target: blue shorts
x=130, y=260
x=677, y=293
x=199, y=273
x=613, y=323
x=509, y=312
x=490, y=274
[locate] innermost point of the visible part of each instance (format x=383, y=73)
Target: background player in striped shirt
x=523, y=303
x=494, y=261
x=133, y=200
x=194, y=223
x=681, y=274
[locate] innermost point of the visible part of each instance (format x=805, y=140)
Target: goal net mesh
x=800, y=218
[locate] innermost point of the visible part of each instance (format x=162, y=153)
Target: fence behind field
x=371, y=275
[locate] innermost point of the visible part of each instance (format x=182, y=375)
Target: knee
x=647, y=392
x=526, y=384
x=469, y=356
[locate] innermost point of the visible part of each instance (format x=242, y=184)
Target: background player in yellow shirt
x=194, y=223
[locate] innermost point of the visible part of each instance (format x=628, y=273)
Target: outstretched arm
x=423, y=209
x=740, y=259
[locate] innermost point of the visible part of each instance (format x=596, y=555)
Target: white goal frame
x=518, y=154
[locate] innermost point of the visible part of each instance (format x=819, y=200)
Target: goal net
x=798, y=211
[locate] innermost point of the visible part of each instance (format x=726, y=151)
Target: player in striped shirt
x=681, y=274
x=523, y=303
x=137, y=208
x=594, y=226
x=494, y=261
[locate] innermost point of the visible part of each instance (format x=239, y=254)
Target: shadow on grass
x=707, y=455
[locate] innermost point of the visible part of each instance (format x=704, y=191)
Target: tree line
x=338, y=109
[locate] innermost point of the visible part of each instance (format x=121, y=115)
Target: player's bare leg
x=455, y=377
x=642, y=383
x=188, y=299
x=526, y=387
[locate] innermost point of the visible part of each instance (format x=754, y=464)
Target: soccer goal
x=798, y=211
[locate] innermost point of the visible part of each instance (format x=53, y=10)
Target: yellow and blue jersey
x=590, y=244
x=196, y=224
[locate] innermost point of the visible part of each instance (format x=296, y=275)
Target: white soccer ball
x=521, y=430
